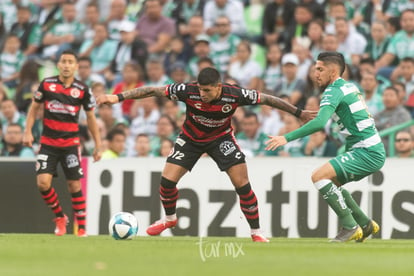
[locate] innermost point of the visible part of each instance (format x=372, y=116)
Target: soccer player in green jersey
x=364, y=155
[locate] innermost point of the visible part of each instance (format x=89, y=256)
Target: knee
x=43, y=185
x=315, y=176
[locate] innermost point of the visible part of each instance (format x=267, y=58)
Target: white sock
x=171, y=217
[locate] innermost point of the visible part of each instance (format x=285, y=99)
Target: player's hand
x=97, y=155
x=308, y=115
x=275, y=142
x=107, y=99
x=28, y=139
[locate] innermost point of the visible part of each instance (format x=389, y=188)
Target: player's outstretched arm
x=136, y=93
x=304, y=115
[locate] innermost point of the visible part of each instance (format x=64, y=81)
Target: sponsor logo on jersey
x=209, y=122
x=72, y=161
x=229, y=100
x=227, y=147
x=58, y=107
x=74, y=92
x=250, y=94
x=180, y=142
x=226, y=108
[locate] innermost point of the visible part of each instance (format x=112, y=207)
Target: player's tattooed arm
x=143, y=92
x=278, y=103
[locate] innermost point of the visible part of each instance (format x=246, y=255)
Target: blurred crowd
x=267, y=45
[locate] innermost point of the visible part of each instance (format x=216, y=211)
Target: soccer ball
x=123, y=225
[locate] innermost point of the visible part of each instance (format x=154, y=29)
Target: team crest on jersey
x=227, y=147
x=74, y=92
x=38, y=95
x=72, y=161
x=226, y=108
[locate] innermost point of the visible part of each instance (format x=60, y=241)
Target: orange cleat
x=259, y=238
x=160, y=225
x=82, y=233
x=61, y=223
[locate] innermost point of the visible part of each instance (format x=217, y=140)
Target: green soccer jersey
x=343, y=102
x=401, y=45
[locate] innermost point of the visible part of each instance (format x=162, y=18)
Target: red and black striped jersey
x=206, y=122
x=61, y=110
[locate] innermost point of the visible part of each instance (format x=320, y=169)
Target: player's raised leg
x=50, y=197
x=248, y=201
x=169, y=196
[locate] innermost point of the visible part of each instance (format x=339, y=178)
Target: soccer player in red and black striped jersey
x=210, y=105
x=62, y=97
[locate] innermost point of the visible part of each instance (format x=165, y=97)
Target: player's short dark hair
x=333, y=58
x=70, y=52
x=209, y=76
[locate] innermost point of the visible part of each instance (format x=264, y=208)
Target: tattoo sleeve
x=278, y=103
x=144, y=92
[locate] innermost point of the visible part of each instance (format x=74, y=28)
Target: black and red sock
x=168, y=195
x=79, y=208
x=248, y=205
x=51, y=199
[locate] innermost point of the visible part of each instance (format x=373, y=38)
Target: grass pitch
x=38, y=254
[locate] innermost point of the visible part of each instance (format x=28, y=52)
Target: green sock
x=357, y=213
x=334, y=198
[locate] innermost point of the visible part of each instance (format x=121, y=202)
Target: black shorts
x=68, y=157
x=225, y=152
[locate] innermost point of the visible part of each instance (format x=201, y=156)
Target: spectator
x=166, y=148
x=378, y=41
x=270, y=120
x=130, y=47
x=166, y=129
x=92, y=17
x=297, y=30
x=178, y=73
x=404, y=145
x=155, y=72
x=290, y=84
x=13, y=142
x=11, y=60
x=142, y=145
x=85, y=73
x=304, y=57
x=116, y=144
x=367, y=65
x=273, y=70
x=401, y=44
x=311, y=87
x=294, y=148
x=370, y=12
x=232, y=9
x=184, y=11
x=132, y=77
x=50, y=14
x=144, y=122
x=245, y=70
x=28, y=32
x=64, y=35
x=320, y=146
x=201, y=50
x=402, y=93
x=398, y=7
x=405, y=73
x=154, y=28
x=330, y=43
x=171, y=109
x=393, y=114
x=101, y=50
x=3, y=31
x=223, y=44
x=134, y=9
x=350, y=41
x=9, y=115
x=176, y=54
x=315, y=34
x=195, y=29
x=317, y=9
x=372, y=95
x=278, y=15
x=117, y=15
x=27, y=85
x=251, y=139
x=312, y=103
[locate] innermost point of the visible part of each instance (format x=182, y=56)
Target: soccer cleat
x=61, y=223
x=370, y=229
x=259, y=238
x=160, y=225
x=82, y=233
x=346, y=235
